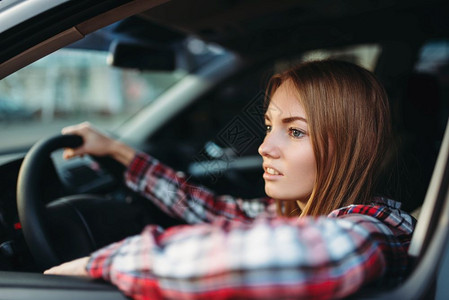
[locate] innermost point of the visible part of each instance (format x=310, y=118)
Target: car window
x=433, y=61
x=428, y=90
x=70, y=86
x=420, y=115
x=365, y=55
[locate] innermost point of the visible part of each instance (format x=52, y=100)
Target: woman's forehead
x=285, y=102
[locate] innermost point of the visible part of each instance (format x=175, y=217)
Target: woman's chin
x=278, y=195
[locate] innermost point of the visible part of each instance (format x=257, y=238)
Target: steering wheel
x=34, y=216
x=74, y=226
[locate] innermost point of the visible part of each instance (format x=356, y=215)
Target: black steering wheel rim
x=31, y=208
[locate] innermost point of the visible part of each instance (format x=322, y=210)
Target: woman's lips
x=271, y=173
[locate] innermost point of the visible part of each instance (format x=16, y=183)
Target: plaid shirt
x=240, y=249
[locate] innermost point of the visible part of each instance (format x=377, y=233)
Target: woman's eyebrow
x=291, y=119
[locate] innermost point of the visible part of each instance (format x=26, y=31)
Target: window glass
x=365, y=55
x=433, y=62
x=433, y=57
x=421, y=113
x=71, y=86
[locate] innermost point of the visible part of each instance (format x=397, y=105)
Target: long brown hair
x=349, y=126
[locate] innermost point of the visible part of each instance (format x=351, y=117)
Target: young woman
x=322, y=233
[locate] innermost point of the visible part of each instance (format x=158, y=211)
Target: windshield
x=71, y=86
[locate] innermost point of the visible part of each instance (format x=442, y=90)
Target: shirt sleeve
x=269, y=259
x=174, y=194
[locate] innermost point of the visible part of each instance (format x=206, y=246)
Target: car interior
x=214, y=132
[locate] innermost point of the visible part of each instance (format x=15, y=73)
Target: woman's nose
x=269, y=148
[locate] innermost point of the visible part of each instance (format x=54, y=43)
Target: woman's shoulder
x=386, y=210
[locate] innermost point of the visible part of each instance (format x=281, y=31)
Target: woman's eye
x=296, y=133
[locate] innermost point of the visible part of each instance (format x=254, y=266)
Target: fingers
x=75, y=267
x=71, y=153
x=82, y=130
x=95, y=142
x=79, y=129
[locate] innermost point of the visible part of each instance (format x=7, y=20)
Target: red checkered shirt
x=234, y=248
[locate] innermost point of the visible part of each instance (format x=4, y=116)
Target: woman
x=328, y=131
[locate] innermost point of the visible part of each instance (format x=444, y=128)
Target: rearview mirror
x=141, y=57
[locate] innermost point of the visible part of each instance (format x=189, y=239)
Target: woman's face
x=288, y=157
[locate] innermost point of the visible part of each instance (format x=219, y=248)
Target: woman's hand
x=98, y=144
x=95, y=142
x=75, y=267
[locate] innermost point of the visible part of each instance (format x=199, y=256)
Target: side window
x=365, y=55
x=433, y=67
x=423, y=114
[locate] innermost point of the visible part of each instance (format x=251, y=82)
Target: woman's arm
x=177, y=196
x=277, y=258
x=168, y=189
